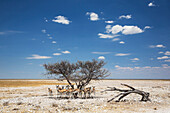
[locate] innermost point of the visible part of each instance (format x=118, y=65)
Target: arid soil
x=32, y=96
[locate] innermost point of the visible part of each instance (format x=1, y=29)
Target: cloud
x=101, y=57
x=135, y=59
x=121, y=42
x=101, y=53
x=147, y=67
x=122, y=54
x=61, y=19
x=57, y=54
x=125, y=16
x=44, y=31
x=151, y=4
x=116, y=39
x=106, y=35
x=167, y=53
x=140, y=68
x=35, y=56
x=54, y=42
x=126, y=30
x=10, y=32
x=50, y=37
x=164, y=65
x=147, y=27
x=157, y=46
x=66, y=52
x=160, y=52
x=93, y=16
x=163, y=57
x=108, y=28
x=131, y=30
x=115, y=29
x=167, y=60
x=109, y=22
x=118, y=67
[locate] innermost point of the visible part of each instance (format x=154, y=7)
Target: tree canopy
x=81, y=72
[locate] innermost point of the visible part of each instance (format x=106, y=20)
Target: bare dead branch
x=145, y=95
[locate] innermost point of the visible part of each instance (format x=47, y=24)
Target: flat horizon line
x=93, y=79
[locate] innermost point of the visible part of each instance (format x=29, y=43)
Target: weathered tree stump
x=145, y=95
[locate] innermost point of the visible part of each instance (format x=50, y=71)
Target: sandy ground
x=36, y=99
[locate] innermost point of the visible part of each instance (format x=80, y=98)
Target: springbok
x=50, y=92
x=93, y=90
x=89, y=91
x=86, y=91
x=60, y=91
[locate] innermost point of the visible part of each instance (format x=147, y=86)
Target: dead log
x=145, y=95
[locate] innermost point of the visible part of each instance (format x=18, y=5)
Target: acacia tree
x=63, y=69
x=81, y=72
x=89, y=70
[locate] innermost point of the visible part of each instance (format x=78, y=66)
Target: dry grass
x=28, y=83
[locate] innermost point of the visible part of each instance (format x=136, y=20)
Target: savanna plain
x=31, y=96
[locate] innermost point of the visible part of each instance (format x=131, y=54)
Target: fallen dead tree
x=145, y=95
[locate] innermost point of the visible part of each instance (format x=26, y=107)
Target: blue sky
x=132, y=36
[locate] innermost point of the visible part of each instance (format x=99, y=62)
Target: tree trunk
x=69, y=82
x=145, y=95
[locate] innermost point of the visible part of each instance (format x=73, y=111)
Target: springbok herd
x=65, y=91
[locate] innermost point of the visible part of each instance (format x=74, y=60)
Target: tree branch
x=145, y=95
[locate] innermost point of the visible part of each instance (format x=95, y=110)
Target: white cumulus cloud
x=122, y=42
x=126, y=30
x=131, y=30
x=116, y=39
x=135, y=59
x=151, y=4
x=157, y=46
x=101, y=57
x=57, y=54
x=147, y=27
x=106, y=35
x=125, y=16
x=122, y=54
x=167, y=53
x=61, y=19
x=109, y=22
x=115, y=29
x=66, y=52
x=163, y=57
x=160, y=52
x=160, y=46
x=54, y=42
x=93, y=16
x=35, y=56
